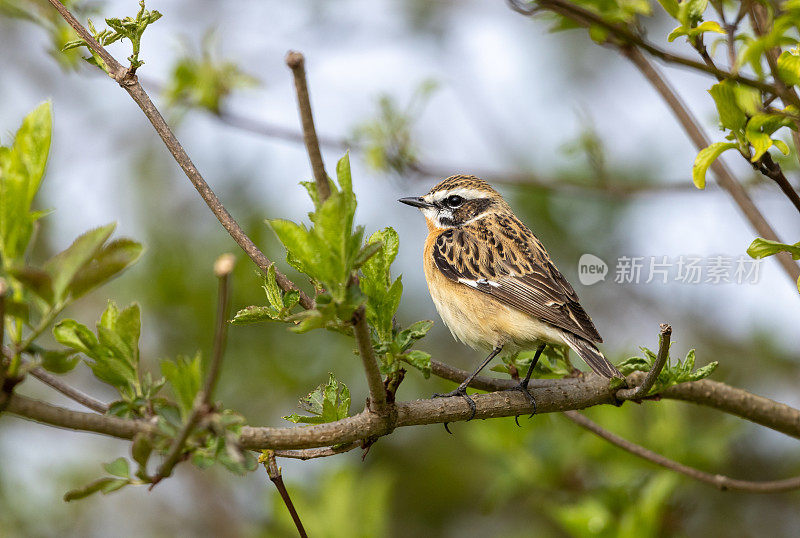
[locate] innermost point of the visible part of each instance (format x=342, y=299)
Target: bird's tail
x=591, y=356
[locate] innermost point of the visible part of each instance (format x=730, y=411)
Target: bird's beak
x=415, y=201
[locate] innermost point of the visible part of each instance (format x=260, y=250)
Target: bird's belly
x=482, y=322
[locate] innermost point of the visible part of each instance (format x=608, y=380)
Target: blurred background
x=568, y=131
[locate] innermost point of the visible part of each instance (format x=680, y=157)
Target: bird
x=493, y=283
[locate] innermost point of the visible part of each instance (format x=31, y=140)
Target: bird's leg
x=523, y=385
x=462, y=388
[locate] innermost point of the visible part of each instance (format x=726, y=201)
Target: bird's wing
x=502, y=258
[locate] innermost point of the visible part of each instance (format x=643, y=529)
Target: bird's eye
x=454, y=200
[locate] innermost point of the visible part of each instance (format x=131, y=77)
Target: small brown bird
x=493, y=282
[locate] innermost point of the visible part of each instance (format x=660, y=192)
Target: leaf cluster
x=204, y=81
x=750, y=130
x=329, y=402
x=40, y=291
x=130, y=28
x=681, y=371
x=388, y=137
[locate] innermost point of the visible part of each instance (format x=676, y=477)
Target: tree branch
x=565, y=395
x=296, y=63
x=130, y=83
x=650, y=379
x=69, y=391
x=377, y=391
x=719, y=481
x=274, y=473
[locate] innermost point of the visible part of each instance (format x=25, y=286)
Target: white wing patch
x=479, y=282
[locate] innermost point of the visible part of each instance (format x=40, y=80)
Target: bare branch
x=773, y=170
x=69, y=391
x=377, y=391
x=312, y=453
x=719, y=481
x=223, y=268
x=296, y=63
x=661, y=359
x=131, y=84
x=274, y=473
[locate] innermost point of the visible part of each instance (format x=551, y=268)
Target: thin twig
x=773, y=170
x=202, y=404
x=719, y=481
x=69, y=391
x=131, y=84
x=296, y=63
x=642, y=390
x=312, y=453
x=223, y=268
x=274, y=473
x=377, y=391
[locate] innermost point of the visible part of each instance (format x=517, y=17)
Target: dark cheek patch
x=471, y=209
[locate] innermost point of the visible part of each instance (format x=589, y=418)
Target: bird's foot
x=523, y=388
x=460, y=391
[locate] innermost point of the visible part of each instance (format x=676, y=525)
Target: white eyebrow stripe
x=464, y=192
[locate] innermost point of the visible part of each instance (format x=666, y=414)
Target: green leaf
x=407, y=337
x=782, y=147
x=343, y=174
x=141, y=449
x=748, y=99
x=705, y=158
x=185, y=376
x=692, y=33
x=34, y=280
x=22, y=168
x=328, y=402
x=254, y=314
x=106, y=264
x=76, y=336
x=118, y=467
x=274, y=295
x=761, y=248
x=369, y=250
x=59, y=362
x=419, y=360
x=106, y=485
x=671, y=7
x=730, y=115
x=789, y=68
x=65, y=265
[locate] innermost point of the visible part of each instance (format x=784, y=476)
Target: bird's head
x=456, y=201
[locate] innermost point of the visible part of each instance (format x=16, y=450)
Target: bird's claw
x=523, y=388
x=463, y=393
